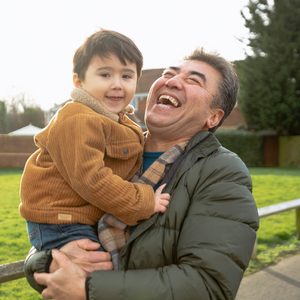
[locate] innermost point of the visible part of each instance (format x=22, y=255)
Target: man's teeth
x=173, y=101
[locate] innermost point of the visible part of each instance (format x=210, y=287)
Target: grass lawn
x=14, y=243
x=276, y=236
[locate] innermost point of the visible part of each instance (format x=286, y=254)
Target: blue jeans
x=50, y=236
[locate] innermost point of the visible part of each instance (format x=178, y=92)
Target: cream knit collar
x=85, y=98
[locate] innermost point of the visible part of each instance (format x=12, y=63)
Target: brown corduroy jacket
x=80, y=171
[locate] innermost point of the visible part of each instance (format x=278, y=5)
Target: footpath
x=277, y=282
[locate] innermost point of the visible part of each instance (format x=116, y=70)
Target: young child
x=89, y=150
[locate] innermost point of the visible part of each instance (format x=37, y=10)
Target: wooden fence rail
x=14, y=270
x=276, y=209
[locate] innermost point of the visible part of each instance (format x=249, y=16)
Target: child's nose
x=116, y=84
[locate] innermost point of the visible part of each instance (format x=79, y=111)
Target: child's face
x=110, y=82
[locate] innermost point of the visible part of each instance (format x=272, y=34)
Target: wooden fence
x=12, y=271
x=276, y=209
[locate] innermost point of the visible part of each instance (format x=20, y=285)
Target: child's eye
x=126, y=76
x=104, y=75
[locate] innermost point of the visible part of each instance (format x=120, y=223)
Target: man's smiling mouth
x=168, y=100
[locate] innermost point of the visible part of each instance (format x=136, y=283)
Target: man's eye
x=168, y=74
x=194, y=80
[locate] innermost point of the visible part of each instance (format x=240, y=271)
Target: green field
x=14, y=243
x=276, y=236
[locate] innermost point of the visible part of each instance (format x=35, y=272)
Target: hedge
x=248, y=146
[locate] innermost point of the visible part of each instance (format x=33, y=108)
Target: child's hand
x=161, y=200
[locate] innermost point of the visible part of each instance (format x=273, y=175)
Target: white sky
x=38, y=37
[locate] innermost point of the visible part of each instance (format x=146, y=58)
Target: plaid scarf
x=112, y=232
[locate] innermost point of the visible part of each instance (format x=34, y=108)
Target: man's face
x=179, y=101
x=110, y=82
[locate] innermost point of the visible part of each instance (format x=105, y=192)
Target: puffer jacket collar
x=203, y=144
x=203, y=149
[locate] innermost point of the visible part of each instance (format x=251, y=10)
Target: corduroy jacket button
x=125, y=151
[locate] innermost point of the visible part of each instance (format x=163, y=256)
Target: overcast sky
x=38, y=38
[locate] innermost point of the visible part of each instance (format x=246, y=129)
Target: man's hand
x=82, y=252
x=68, y=282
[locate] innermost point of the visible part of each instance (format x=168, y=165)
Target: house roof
x=27, y=130
x=147, y=78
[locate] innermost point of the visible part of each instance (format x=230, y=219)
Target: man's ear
x=76, y=80
x=215, y=118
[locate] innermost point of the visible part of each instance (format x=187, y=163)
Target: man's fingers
x=45, y=294
x=53, y=266
x=99, y=257
x=68, y=279
x=104, y=266
x=41, y=278
x=76, y=251
x=60, y=258
x=93, y=257
x=90, y=267
x=87, y=244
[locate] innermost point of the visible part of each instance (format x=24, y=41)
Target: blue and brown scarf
x=112, y=232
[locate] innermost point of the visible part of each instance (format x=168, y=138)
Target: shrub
x=247, y=145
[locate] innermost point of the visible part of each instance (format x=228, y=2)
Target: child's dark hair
x=104, y=43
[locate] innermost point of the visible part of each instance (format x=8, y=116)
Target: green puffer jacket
x=200, y=247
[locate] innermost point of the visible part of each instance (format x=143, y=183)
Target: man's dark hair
x=104, y=43
x=228, y=88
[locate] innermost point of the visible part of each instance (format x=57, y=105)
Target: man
x=200, y=247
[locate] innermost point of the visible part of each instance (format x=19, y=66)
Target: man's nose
x=175, y=82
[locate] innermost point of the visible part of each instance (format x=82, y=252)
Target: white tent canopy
x=27, y=130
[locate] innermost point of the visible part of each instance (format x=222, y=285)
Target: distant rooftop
x=27, y=130
x=148, y=77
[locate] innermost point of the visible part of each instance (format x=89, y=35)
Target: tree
x=33, y=115
x=270, y=85
x=22, y=111
x=3, y=117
